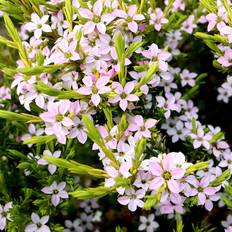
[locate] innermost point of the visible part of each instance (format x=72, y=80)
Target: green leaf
x=224, y=176
x=18, y=117
x=210, y=5
x=133, y=47
x=217, y=136
x=153, y=200
x=196, y=167
x=68, y=11
x=148, y=77
x=76, y=168
x=7, y=42
x=39, y=69
x=89, y=193
x=109, y=118
x=40, y=139
x=95, y=136
x=16, y=154
x=139, y=155
x=16, y=38
x=120, y=50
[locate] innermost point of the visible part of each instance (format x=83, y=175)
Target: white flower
x=57, y=192
x=51, y=167
x=201, y=139
x=5, y=214
x=38, y=224
x=148, y=223
x=74, y=226
x=38, y=25
x=132, y=198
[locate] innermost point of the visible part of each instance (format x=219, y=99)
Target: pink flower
x=38, y=25
x=201, y=139
x=189, y=24
x=169, y=104
x=69, y=50
x=132, y=198
x=78, y=131
x=57, y=192
x=154, y=53
x=5, y=93
x=124, y=94
x=130, y=17
x=142, y=127
x=57, y=119
x=133, y=17
x=204, y=192
x=187, y=78
x=157, y=19
x=166, y=172
x=226, y=59
x=95, y=20
x=95, y=87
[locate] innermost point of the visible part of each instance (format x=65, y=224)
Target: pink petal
x=123, y=200
x=89, y=27
x=55, y=200
x=173, y=186
x=133, y=26
x=123, y=104
x=155, y=169
x=95, y=98
x=85, y=13
x=156, y=183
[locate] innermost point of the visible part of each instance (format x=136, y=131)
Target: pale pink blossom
x=166, y=172
x=57, y=191
x=132, y=198
x=38, y=25
x=124, y=94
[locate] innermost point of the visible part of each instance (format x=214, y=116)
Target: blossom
x=69, y=50
x=51, y=167
x=132, y=198
x=5, y=93
x=57, y=119
x=73, y=226
x=204, y=192
x=157, y=19
x=169, y=104
x=141, y=127
x=201, y=139
x=38, y=224
x=124, y=94
x=189, y=24
x=148, y=223
x=154, y=53
x=57, y=192
x=38, y=25
x=227, y=222
x=166, y=172
x=95, y=19
x=225, y=60
x=5, y=214
x=187, y=78
x=95, y=87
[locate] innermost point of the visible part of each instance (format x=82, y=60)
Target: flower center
x=167, y=175
x=59, y=117
x=55, y=191
x=39, y=224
